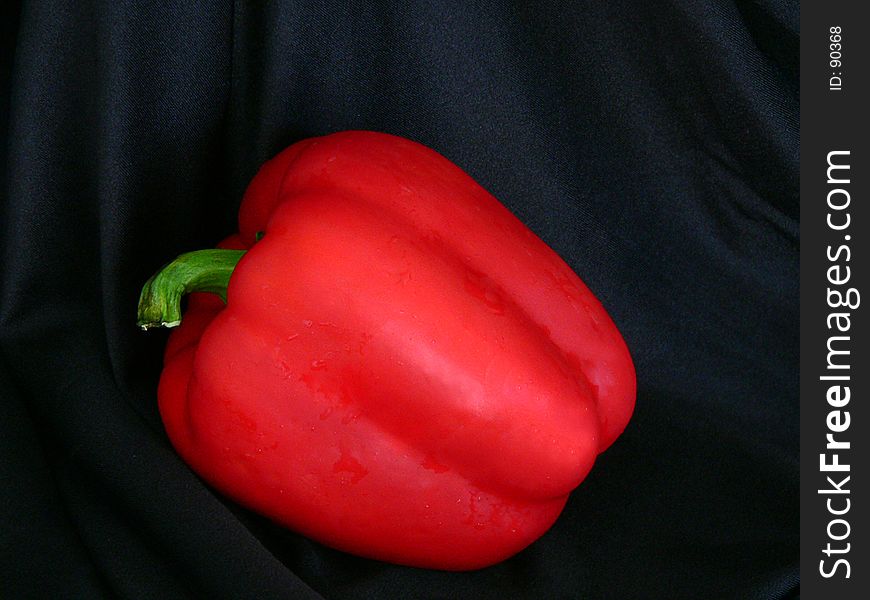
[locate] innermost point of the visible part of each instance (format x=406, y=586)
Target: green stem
x=199, y=271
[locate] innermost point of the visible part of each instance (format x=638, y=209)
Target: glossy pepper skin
x=402, y=369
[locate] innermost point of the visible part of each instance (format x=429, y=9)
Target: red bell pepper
x=402, y=370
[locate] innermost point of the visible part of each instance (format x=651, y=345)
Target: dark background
x=653, y=145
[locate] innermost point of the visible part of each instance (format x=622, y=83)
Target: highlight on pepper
x=386, y=360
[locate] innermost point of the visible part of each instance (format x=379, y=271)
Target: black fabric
x=654, y=145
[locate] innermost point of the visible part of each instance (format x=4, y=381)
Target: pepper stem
x=199, y=271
